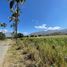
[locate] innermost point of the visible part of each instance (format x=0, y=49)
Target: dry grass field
x=49, y=51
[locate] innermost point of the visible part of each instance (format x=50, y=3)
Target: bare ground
x=4, y=45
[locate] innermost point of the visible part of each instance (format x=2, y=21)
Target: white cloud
x=54, y=28
x=45, y=27
x=3, y=30
x=41, y=27
x=25, y=33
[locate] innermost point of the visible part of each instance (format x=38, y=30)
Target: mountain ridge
x=49, y=32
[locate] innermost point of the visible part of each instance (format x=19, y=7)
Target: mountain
x=51, y=32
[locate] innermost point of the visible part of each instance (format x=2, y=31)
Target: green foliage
x=31, y=35
x=19, y=35
x=3, y=25
x=2, y=36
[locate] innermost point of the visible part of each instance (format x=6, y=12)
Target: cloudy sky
x=37, y=15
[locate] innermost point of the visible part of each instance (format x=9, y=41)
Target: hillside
x=51, y=32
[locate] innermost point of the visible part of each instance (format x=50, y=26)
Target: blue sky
x=37, y=15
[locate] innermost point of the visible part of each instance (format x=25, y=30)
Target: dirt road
x=4, y=45
x=3, y=51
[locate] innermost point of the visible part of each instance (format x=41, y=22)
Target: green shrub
x=2, y=36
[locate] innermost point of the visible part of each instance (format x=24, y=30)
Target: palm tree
x=15, y=9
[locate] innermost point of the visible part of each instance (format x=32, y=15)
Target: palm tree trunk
x=16, y=23
x=16, y=31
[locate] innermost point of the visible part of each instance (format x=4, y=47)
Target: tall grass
x=38, y=52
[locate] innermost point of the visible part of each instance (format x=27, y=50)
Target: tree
x=32, y=35
x=15, y=10
x=19, y=35
x=2, y=36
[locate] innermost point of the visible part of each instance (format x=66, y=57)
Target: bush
x=19, y=35
x=2, y=36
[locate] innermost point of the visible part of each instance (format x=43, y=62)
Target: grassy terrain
x=38, y=52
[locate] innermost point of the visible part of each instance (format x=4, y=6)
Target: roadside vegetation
x=2, y=36
x=38, y=52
